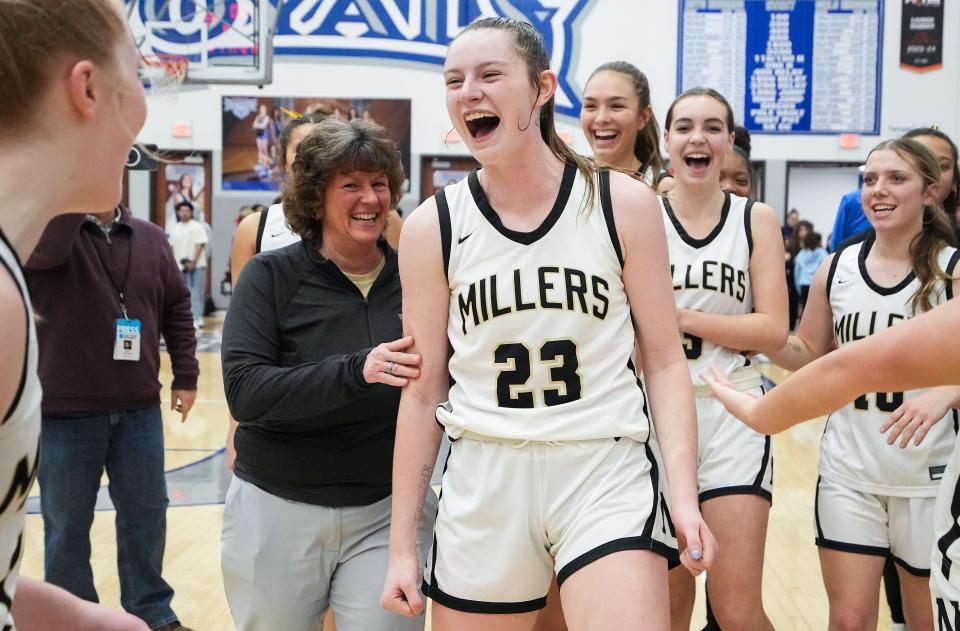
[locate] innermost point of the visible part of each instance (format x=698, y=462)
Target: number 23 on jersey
x=558, y=356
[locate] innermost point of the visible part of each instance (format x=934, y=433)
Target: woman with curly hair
x=313, y=362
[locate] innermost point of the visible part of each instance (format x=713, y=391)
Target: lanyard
x=119, y=288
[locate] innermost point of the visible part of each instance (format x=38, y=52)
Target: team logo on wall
x=411, y=30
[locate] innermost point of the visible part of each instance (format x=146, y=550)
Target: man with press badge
x=105, y=287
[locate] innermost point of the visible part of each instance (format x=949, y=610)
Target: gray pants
x=284, y=563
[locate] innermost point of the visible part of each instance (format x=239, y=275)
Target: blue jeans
x=195, y=285
x=74, y=449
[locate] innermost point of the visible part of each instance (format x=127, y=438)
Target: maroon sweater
x=77, y=305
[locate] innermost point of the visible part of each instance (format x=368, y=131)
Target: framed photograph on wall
x=439, y=171
x=183, y=177
x=252, y=127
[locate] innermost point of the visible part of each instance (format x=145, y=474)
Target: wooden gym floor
x=793, y=591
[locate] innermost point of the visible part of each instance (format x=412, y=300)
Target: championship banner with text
x=921, y=35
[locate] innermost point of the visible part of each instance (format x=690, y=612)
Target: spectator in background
x=114, y=278
x=850, y=218
x=790, y=224
x=188, y=238
x=792, y=247
x=805, y=265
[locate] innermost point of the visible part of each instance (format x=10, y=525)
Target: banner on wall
x=252, y=125
x=409, y=30
x=787, y=66
x=921, y=35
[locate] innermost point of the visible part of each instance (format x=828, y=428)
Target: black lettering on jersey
x=483, y=300
x=707, y=275
x=468, y=307
x=576, y=284
x=948, y=615
x=519, y=304
x=557, y=288
x=600, y=295
x=741, y=285
x=19, y=487
x=726, y=280
x=5, y=600
x=494, y=306
x=857, y=325
x=708, y=272
x=547, y=285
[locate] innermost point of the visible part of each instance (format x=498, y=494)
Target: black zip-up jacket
x=294, y=343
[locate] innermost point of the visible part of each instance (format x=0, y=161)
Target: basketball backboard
x=225, y=41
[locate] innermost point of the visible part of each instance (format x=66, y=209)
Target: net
x=163, y=75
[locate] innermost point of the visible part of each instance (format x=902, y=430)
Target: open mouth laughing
x=481, y=124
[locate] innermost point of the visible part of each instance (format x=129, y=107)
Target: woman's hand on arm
x=426, y=300
x=387, y=363
x=766, y=328
x=649, y=289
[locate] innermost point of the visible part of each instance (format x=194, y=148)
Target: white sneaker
x=198, y=324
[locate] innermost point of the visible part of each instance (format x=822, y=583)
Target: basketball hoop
x=163, y=75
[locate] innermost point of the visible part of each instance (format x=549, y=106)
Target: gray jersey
x=853, y=452
x=539, y=322
x=19, y=444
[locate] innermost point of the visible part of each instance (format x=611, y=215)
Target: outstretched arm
x=918, y=353
x=39, y=606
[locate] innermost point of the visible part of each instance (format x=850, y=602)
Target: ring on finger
x=390, y=367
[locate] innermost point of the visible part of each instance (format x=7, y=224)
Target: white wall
x=816, y=193
x=643, y=33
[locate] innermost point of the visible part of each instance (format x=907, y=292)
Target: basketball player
x=73, y=103
x=736, y=175
x=873, y=500
x=619, y=122
x=726, y=256
x=532, y=270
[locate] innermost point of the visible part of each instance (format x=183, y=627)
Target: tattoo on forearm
x=794, y=346
x=423, y=486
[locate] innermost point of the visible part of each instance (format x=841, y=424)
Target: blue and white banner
x=787, y=66
x=409, y=30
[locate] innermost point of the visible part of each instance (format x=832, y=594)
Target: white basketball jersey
x=273, y=232
x=19, y=444
x=712, y=275
x=852, y=450
x=539, y=321
x=945, y=560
